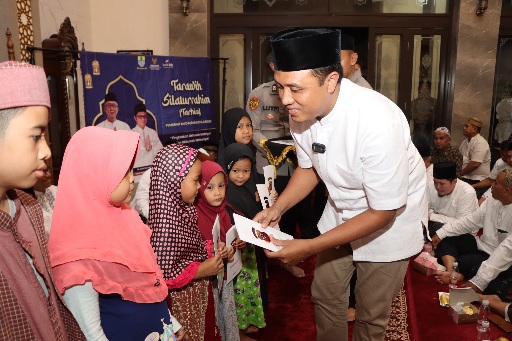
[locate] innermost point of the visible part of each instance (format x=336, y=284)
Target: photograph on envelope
x=264, y=195
x=234, y=267
x=268, y=173
x=216, y=241
x=265, y=198
x=252, y=232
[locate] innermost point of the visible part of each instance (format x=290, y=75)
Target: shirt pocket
x=347, y=179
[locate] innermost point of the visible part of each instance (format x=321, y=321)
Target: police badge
x=254, y=103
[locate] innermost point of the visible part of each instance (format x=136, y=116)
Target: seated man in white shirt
x=111, y=109
x=448, y=199
x=504, y=162
x=476, y=155
x=494, y=276
x=454, y=242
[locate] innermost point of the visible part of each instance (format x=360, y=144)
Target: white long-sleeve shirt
x=499, y=261
x=459, y=203
x=495, y=219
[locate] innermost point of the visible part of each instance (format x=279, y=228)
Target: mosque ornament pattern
x=26, y=29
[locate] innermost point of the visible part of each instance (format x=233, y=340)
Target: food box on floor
x=426, y=264
x=461, y=310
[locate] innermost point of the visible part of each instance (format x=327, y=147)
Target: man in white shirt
x=358, y=142
x=454, y=241
x=494, y=275
x=448, y=199
x=476, y=155
x=503, y=163
x=150, y=143
x=111, y=108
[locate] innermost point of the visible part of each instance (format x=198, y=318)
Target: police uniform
x=269, y=120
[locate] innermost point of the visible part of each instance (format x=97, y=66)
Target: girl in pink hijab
x=100, y=250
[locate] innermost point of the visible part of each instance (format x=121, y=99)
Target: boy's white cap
x=22, y=85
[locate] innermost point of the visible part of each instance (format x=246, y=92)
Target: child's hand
x=179, y=334
x=231, y=254
x=210, y=267
x=276, y=195
x=223, y=250
x=239, y=244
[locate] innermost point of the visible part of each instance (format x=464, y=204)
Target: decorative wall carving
x=26, y=29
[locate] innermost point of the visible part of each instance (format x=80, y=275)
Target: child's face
x=23, y=149
x=123, y=192
x=190, y=185
x=215, y=192
x=240, y=172
x=243, y=132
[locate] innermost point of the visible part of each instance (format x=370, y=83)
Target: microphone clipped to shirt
x=318, y=147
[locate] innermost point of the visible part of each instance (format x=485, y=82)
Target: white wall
x=130, y=25
x=53, y=12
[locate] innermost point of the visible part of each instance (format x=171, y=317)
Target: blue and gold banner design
x=177, y=92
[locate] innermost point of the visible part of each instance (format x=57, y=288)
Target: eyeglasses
x=110, y=105
x=144, y=117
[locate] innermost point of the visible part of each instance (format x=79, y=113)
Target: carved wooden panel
x=26, y=29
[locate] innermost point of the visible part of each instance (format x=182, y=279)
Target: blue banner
x=177, y=92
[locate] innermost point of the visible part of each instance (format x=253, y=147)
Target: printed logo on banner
x=141, y=61
x=154, y=64
x=167, y=64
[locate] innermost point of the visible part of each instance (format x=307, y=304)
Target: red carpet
x=429, y=320
x=415, y=315
x=291, y=316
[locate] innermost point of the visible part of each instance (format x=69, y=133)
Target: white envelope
x=235, y=266
x=252, y=232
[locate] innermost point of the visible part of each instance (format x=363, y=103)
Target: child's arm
x=83, y=302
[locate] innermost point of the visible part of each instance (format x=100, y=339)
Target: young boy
x=30, y=308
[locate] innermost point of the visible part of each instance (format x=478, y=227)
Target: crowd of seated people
x=470, y=212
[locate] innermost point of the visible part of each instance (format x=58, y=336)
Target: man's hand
x=293, y=251
x=435, y=240
x=269, y=216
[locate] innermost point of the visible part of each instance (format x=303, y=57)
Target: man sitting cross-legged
x=454, y=241
x=449, y=199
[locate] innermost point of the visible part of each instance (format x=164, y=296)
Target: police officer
x=270, y=120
